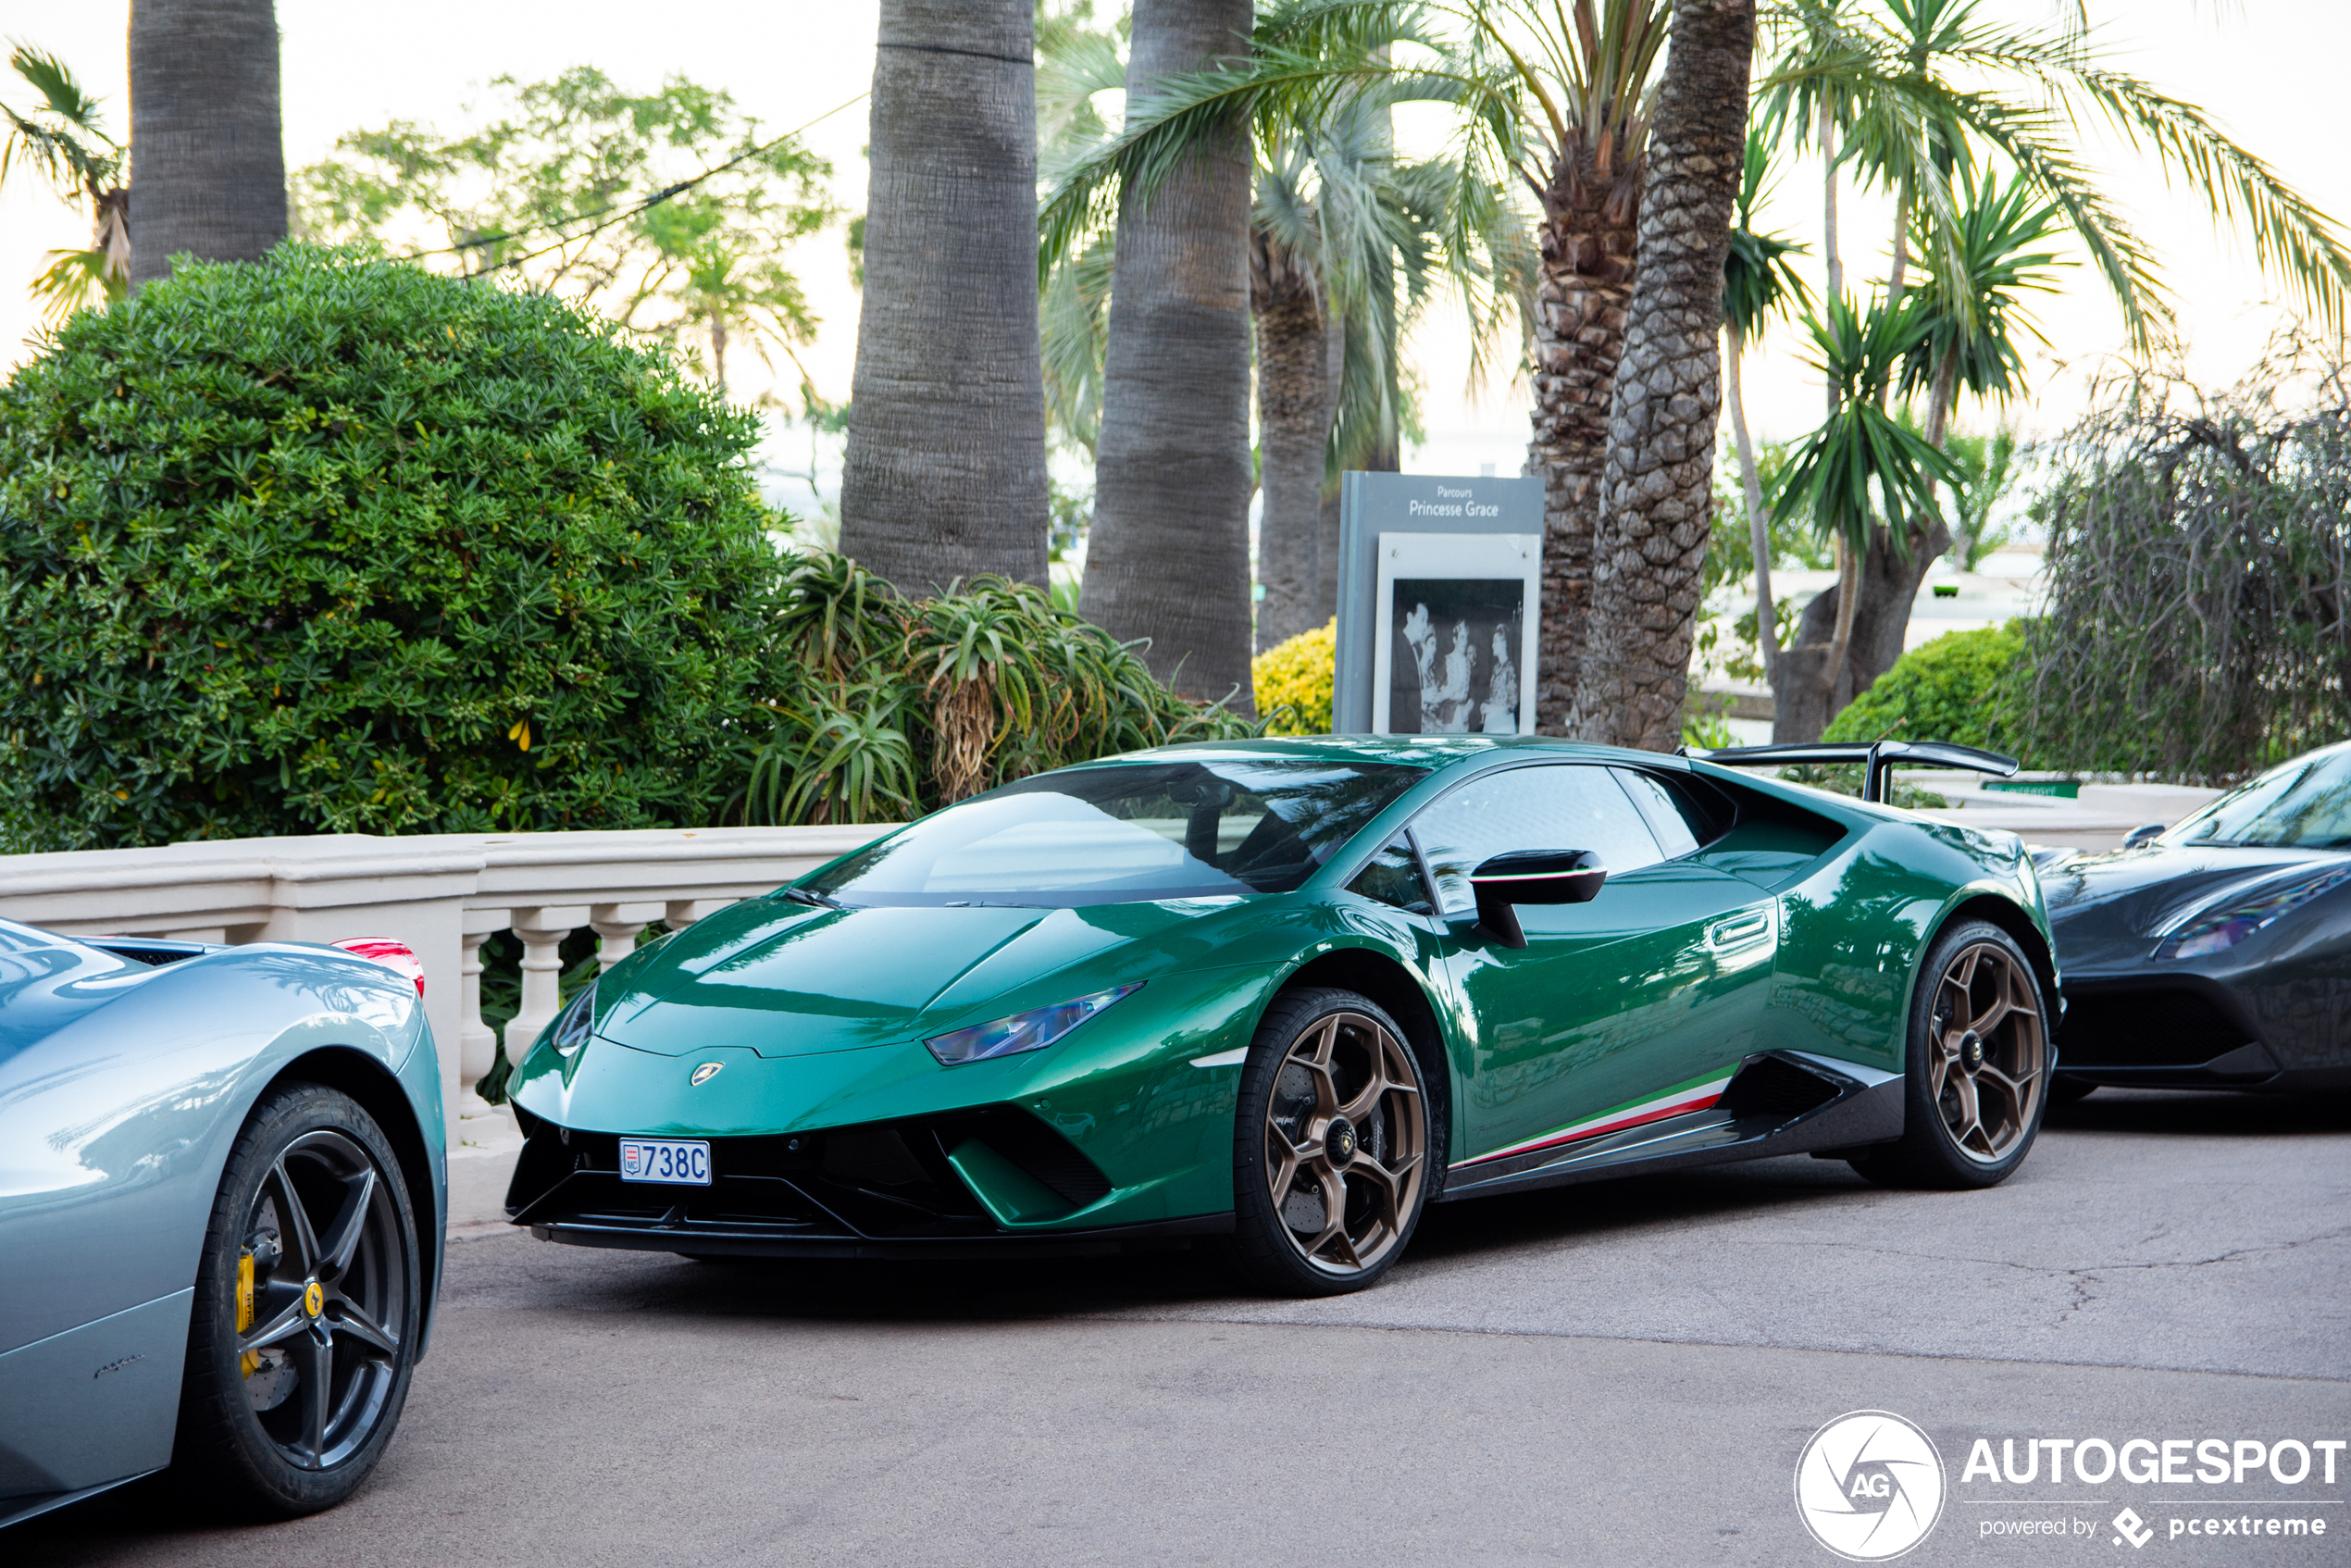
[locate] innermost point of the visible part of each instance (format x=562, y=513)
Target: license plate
x=677, y=1161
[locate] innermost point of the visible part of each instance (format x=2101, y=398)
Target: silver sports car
x=222, y=1196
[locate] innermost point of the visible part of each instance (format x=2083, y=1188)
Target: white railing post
x=542, y=931
x=678, y=914
x=618, y=926
x=476, y=1042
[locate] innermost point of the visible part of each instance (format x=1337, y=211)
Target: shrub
x=2198, y=623
x=327, y=543
x=1959, y=687
x=896, y=707
x=1299, y=674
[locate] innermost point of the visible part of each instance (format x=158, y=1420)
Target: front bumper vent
x=885, y=1182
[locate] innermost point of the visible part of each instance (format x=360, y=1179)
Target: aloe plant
x=904, y=704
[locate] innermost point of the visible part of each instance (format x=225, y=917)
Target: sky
x=2268, y=70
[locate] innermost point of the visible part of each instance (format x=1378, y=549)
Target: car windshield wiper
x=813, y=898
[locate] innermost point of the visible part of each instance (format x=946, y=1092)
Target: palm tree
x=1550, y=98
x=725, y=293
x=210, y=176
x=1879, y=90
x=1296, y=318
x=1759, y=280
x=1955, y=331
x=1348, y=247
x=1657, y=487
x=944, y=472
x=1589, y=85
x=1168, y=557
x=64, y=140
x=2045, y=84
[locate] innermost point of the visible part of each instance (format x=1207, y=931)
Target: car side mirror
x=1532, y=877
x=2142, y=834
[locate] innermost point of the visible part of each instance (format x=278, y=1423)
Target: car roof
x=1432, y=752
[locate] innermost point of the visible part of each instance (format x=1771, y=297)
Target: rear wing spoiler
x=1880, y=757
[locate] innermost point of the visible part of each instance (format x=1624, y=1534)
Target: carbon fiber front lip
x=741, y=1242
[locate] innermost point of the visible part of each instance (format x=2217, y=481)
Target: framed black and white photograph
x=1454, y=634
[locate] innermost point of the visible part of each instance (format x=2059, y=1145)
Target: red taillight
x=393, y=955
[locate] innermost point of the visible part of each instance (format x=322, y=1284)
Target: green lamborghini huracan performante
x=1284, y=994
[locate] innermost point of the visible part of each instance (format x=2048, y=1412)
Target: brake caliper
x=248, y=1363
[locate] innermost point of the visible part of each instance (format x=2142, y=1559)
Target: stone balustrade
x=443, y=894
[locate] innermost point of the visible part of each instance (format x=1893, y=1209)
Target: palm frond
x=1861, y=448
x=50, y=77
x=1969, y=308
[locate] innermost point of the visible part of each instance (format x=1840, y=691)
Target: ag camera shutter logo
x=1870, y=1485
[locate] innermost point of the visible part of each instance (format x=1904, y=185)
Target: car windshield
x=1126, y=833
x=2304, y=805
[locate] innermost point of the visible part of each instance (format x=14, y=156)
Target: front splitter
x=1105, y=1241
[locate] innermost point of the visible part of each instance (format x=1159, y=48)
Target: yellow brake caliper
x=250, y=1362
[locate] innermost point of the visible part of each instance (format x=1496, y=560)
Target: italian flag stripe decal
x=1697, y=1095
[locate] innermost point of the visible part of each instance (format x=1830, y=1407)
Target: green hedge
x=329, y=543
x=1960, y=687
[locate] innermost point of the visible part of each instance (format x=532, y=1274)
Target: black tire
x=1385, y=1171
x=1947, y=1141
x=341, y=1287
x=2064, y=1091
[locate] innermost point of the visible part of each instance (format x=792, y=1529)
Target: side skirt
x=15, y=1511
x=1778, y=1102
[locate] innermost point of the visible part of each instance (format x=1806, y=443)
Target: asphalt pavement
x=1624, y=1373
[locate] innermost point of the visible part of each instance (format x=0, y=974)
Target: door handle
x=1745, y=927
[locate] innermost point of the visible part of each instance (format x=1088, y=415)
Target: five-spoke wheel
x=1987, y=1054
x=317, y=1289
x=307, y=1312
x=1979, y=1065
x=1333, y=1145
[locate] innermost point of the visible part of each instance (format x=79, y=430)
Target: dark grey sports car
x=2217, y=954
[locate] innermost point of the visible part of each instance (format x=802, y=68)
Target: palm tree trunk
x=1167, y=558
x=1658, y=488
x=1830, y=259
x=208, y=174
x=1387, y=455
x=1582, y=294
x=1849, y=598
x=1898, y=278
x=1889, y=582
x=1759, y=521
x=1883, y=587
x=1294, y=402
x=718, y=353
x=1326, y=563
x=944, y=472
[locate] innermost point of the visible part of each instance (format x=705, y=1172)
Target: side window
x=1666, y=815
x=1393, y=876
x=1559, y=806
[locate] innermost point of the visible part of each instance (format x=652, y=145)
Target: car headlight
x=575, y=1023
x=2220, y=926
x=1033, y=1031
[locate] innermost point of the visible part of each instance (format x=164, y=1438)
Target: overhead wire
x=622, y=212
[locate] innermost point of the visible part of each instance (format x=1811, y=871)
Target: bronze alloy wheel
x=319, y=1344
x=1344, y=1151
x=1988, y=1051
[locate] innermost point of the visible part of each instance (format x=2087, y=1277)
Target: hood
x=784, y=979
x=2131, y=894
